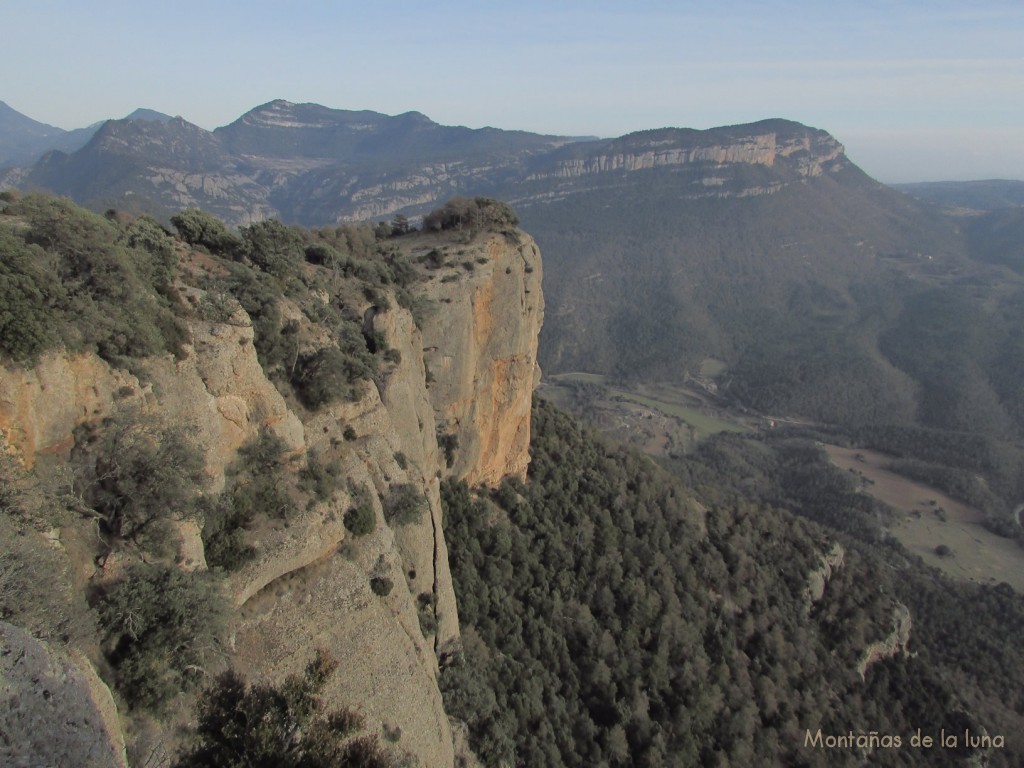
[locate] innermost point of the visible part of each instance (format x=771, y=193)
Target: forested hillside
x=834, y=299
x=618, y=613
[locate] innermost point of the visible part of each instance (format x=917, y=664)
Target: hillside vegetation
x=617, y=613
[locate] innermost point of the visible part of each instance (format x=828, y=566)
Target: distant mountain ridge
x=761, y=246
x=24, y=140
x=309, y=164
x=986, y=195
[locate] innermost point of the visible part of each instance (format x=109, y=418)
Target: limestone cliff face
x=808, y=152
x=482, y=355
x=218, y=392
x=469, y=373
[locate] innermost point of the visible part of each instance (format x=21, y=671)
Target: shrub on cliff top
x=197, y=227
x=69, y=276
x=473, y=214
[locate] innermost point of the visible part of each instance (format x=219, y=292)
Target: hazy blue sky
x=920, y=90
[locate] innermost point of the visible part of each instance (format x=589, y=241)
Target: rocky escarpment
x=812, y=153
x=818, y=579
x=891, y=644
x=901, y=623
x=466, y=375
x=309, y=164
x=481, y=353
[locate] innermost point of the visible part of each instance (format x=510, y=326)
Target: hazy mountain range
x=24, y=140
x=759, y=245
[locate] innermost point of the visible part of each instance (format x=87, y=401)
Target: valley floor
x=665, y=420
x=942, y=531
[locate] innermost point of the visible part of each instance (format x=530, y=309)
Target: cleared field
x=658, y=418
x=710, y=367
x=584, y=378
x=703, y=424
x=931, y=520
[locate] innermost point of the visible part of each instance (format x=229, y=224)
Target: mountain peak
x=148, y=115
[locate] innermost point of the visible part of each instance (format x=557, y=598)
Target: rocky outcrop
x=808, y=152
x=55, y=710
x=482, y=355
x=892, y=644
x=41, y=406
x=820, y=576
x=217, y=392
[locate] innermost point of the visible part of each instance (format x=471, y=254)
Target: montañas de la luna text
x=876, y=740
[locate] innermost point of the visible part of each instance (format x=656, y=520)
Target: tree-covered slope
x=832, y=298
x=611, y=618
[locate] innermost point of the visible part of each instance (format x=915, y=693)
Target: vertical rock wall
x=466, y=375
x=481, y=352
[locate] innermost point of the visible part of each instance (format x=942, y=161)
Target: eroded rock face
x=41, y=406
x=217, y=393
x=482, y=355
x=386, y=664
x=892, y=643
x=220, y=394
x=468, y=374
x=811, y=152
x=819, y=578
x=54, y=709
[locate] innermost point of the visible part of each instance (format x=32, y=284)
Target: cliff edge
x=451, y=397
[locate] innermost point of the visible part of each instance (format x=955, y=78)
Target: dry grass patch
x=944, y=532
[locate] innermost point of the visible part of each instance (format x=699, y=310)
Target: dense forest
x=620, y=613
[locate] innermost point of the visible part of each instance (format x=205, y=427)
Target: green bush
x=224, y=526
x=256, y=487
x=259, y=294
x=449, y=444
x=69, y=276
x=426, y=611
x=331, y=374
x=197, y=227
x=275, y=248
x=320, y=479
x=28, y=295
x=136, y=476
x=162, y=629
x=404, y=505
x=322, y=254
x=258, y=478
x=472, y=214
x=286, y=726
x=36, y=590
x=381, y=585
x=360, y=519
